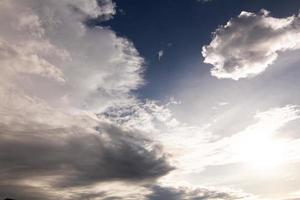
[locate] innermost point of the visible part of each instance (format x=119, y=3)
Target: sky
x=149, y=100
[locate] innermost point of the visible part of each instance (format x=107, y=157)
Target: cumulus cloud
x=56, y=73
x=88, y=68
x=250, y=43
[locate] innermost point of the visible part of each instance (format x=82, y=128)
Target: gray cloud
x=19, y=192
x=73, y=158
x=185, y=193
x=79, y=157
x=249, y=43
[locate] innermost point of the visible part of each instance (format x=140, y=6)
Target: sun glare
x=258, y=152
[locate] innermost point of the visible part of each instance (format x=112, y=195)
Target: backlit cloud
x=250, y=43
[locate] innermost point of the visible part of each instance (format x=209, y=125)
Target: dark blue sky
x=187, y=25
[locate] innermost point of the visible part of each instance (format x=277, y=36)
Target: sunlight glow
x=261, y=152
x=258, y=147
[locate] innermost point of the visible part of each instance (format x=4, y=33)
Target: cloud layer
x=249, y=43
x=186, y=193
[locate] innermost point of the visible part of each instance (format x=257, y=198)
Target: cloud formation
x=250, y=43
x=186, y=193
x=69, y=126
x=87, y=68
x=77, y=156
x=237, y=148
x=56, y=73
x=74, y=157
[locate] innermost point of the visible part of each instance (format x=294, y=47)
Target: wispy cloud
x=253, y=144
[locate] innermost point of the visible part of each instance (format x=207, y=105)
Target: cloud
x=293, y=196
x=237, y=148
x=70, y=127
x=56, y=74
x=63, y=158
x=186, y=193
x=24, y=192
x=148, y=116
x=248, y=44
x=78, y=157
x=87, y=68
x=116, y=191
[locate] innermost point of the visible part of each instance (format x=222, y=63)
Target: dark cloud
x=76, y=158
x=185, y=193
x=19, y=192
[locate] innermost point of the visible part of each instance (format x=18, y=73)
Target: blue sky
x=186, y=26
x=149, y=100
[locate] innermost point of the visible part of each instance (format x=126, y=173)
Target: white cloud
x=94, y=67
x=258, y=143
x=148, y=116
x=249, y=43
x=185, y=142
